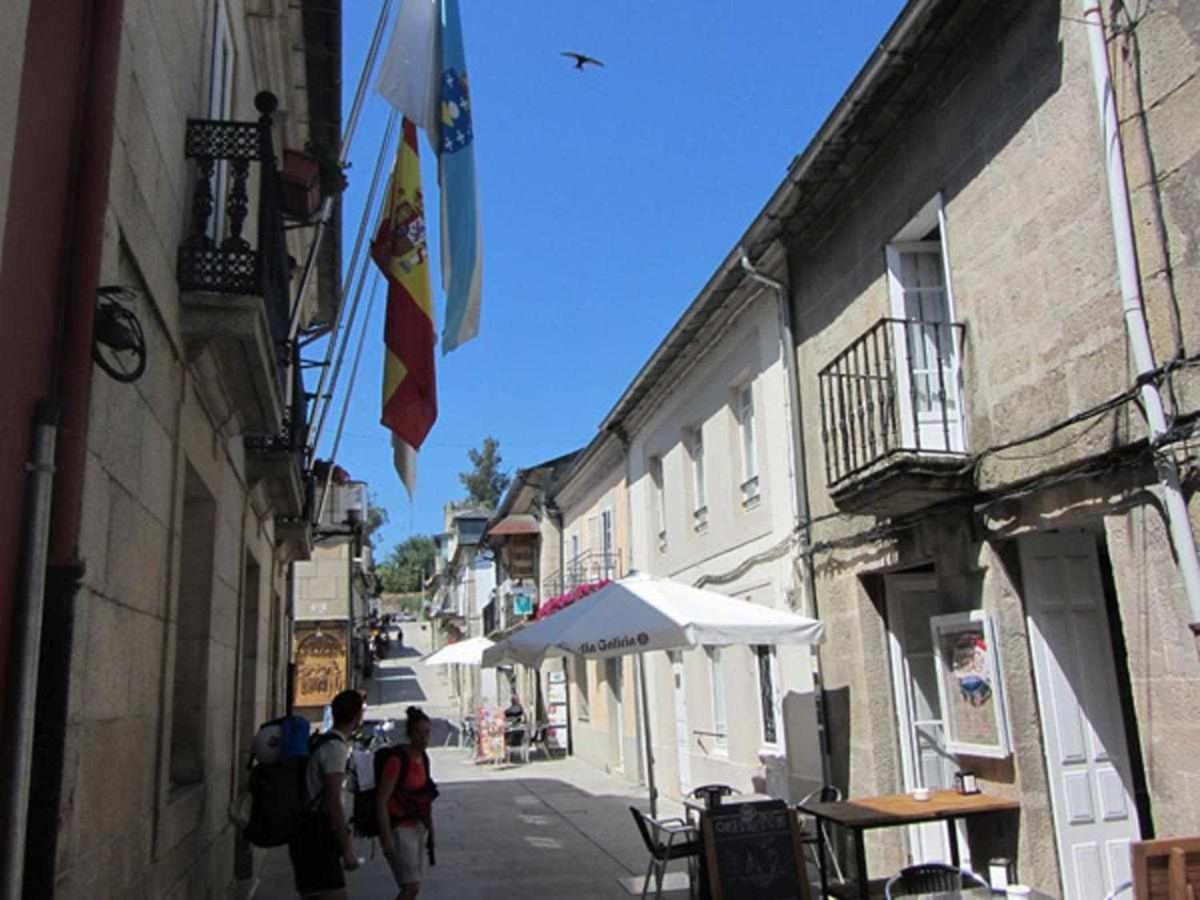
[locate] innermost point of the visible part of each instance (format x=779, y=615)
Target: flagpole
x=324, y=398
x=337, y=438
x=326, y=212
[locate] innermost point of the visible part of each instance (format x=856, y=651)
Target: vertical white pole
x=646, y=731
x=1180, y=526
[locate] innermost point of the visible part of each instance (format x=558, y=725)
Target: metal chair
x=517, y=740
x=929, y=877
x=681, y=842
x=1119, y=890
x=826, y=794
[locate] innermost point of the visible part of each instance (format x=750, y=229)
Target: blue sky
x=607, y=198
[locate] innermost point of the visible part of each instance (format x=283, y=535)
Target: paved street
x=552, y=829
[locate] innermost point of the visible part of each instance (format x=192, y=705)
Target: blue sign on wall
x=523, y=601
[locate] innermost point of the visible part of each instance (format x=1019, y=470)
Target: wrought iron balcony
x=892, y=417
x=588, y=567
x=215, y=257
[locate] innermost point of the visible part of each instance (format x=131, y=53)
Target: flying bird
x=581, y=60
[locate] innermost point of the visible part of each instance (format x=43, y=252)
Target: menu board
x=556, y=710
x=753, y=851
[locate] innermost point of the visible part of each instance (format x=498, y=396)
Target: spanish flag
x=400, y=251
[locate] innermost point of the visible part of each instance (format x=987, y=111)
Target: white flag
x=408, y=76
x=404, y=458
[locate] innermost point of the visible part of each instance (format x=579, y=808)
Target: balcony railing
x=226, y=262
x=895, y=390
x=587, y=567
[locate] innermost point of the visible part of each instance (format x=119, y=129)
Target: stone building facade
x=976, y=457
x=175, y=645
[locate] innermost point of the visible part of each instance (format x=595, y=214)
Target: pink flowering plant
x=562, y=601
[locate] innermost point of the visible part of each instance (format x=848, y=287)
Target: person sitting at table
x=515, y=714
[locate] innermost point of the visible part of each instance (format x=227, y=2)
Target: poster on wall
x=320, y=668
x=556, y=710
x=970, y=684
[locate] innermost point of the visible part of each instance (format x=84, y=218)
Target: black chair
x=816, y=831
x=930, y=877
x=666, y=840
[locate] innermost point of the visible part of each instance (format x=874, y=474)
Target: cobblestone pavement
x=544, y=831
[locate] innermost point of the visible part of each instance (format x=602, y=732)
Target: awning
x=520, y=523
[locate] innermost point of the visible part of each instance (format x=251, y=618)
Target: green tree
x=406, y=566
x=377, y=517
x=485, y=482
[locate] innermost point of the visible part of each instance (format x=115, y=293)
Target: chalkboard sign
x=753, y=851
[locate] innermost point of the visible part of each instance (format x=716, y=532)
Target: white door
x=682, y=730
x=614, y=675
x=1087, y=754
x=911, y=601
x=925, y=348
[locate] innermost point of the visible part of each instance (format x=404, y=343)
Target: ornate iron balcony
x=215, y=256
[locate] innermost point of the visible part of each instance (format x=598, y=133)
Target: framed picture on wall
x=971, y=684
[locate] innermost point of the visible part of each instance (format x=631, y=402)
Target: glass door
x=911, y=601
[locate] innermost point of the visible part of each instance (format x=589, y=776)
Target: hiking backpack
x=279, y=800
x=365, y=819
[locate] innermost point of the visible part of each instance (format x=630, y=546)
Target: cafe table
x=858, y=814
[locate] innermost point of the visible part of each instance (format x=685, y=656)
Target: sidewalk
x=544, y=831
x=547, y=830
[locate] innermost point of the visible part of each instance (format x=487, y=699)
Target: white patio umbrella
x=464, y=653
x=641, y=613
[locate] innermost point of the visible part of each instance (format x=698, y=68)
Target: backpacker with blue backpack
x=279, y=801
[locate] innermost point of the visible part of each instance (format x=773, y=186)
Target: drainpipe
x=797, y=469
x=27, y=644
x=31, y=846
x=1182, y=538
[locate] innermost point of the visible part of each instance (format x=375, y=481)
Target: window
x=659, y=500
x=928, y=368
x=694, y=439
x=220, y=107
x=768, y=704
x=744, y=410
x=583, y=692
x=720, y=720
x=608, y=563
x=193, y=626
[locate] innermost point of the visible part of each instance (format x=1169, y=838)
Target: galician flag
x=424, y=76
x=401, y=252
x=462, y=250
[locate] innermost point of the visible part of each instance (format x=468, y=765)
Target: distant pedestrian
x=404, y=805
x=322, y=848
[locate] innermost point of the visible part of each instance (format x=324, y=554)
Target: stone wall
x=128, y=827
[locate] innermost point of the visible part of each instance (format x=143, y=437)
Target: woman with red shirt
x=404, y=799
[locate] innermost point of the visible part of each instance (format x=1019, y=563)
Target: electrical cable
x=337, y=438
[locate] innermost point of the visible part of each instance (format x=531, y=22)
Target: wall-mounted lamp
x=118, y=345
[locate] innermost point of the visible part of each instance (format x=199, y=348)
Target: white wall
x=734, y=532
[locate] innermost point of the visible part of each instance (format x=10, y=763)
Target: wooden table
x=975, y=893
x=860, y=813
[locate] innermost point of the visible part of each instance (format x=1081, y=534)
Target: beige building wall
x=184, y=572
x=743, y=549
x=1009, y=137
x=322, y=584
x=604, y=719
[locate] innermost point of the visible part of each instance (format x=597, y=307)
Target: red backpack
x=417, y=805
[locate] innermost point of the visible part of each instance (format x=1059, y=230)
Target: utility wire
x=337, y=438
x=358, y=265
x=320, y=399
